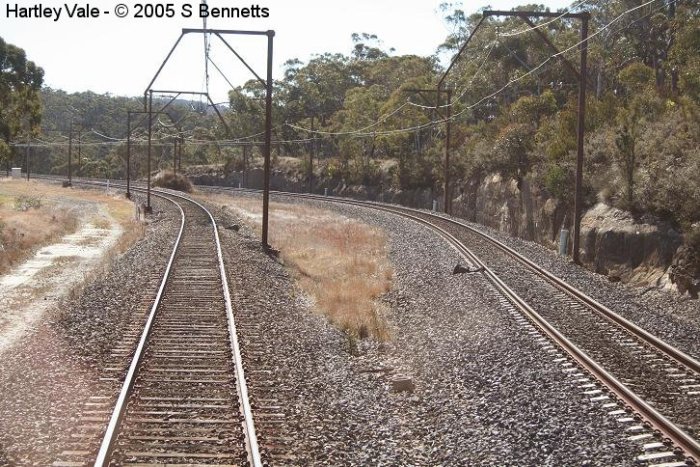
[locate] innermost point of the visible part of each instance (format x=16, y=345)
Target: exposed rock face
x=613, y=242
x=617, y=245
x=526, y=212
x=684, y=273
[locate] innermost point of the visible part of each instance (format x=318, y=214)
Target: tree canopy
x=373, y=117
x=20, y=84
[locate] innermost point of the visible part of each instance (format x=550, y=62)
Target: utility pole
x=80, y=134
x=148, y=164
x=146, y=112
x=26, y=156
x=582, y=76
x=268, y=139
x=128, y=154
x=245, y=164
x=578, y=203
x=175, y=156
x=448, y=130
x=311, y=157
x=448, y=119
x=70, y=154
x=179, y=155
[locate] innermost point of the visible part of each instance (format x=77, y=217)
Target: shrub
x=24, y=203
x=173, y=181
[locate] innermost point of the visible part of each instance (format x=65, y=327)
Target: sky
x=120, y=56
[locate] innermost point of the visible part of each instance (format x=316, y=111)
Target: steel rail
x=679, y=437
x=110, y=435
x=639, y=332
x=667, y=428
x=681, y=357
x=248, y=424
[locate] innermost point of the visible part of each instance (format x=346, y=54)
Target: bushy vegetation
x=173, y=181
x=513, y=111
x=20, y=109
x=509, y=115
x=24, y=203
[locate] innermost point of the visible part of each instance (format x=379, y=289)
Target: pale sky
x=120, y=56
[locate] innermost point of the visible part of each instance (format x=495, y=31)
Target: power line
x=565, y=12
x=361, y=133
x=512, y=81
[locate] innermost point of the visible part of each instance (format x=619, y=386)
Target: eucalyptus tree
x=20, y=106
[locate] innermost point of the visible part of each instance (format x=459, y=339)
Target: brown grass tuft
x=26, y=225
x=22, y=231
x=341, y=263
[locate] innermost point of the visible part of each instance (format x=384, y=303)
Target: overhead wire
x=565, y=12
x=517, y=79
x=379, y=121
x=362, y=132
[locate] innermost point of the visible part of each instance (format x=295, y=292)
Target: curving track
x=657, y=381
x=184, y=398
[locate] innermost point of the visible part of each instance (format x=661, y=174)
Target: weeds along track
x=183, y=399
x=659, y=383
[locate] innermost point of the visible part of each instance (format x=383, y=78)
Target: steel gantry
x=220, y=33
x=582, y=76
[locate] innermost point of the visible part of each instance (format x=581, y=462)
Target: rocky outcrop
x=616, y=244
x=637, y=251
x=643, y=252
x=525, y=211
x=684, y=272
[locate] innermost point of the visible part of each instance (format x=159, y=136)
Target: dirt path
x=32, y=287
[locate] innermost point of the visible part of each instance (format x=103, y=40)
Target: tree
x=20, y=106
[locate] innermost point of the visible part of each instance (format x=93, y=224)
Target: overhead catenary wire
x=362, y=132
x=564, y=12
x=379, y=121
x=481, y=100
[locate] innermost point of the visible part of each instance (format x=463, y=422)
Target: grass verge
x=34, y=214
x=340, y=263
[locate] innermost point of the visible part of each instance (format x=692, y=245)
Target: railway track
x=183, y=400
x=657, y=381
x=632, y=369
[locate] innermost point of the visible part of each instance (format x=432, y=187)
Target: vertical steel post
x=128, y=154
x=311, y=157
x=448, y=196
x=175, y=156
x=26, y=156
x=148, y=164
x=578, y=203
x=268, y=140
x=70, y=154
x=179, y=154
x=245, y=164
x=80, y=135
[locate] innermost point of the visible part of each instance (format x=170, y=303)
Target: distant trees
x=513, y=110
x=514, y=107
x=20, y=108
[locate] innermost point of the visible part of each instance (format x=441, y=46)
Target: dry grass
x=21, y=232
x=341, y=263
x=24, y=231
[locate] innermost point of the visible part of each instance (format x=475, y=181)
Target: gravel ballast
x=47, y=377
x=666, y=314
x=487, y=390
x=483, y=387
